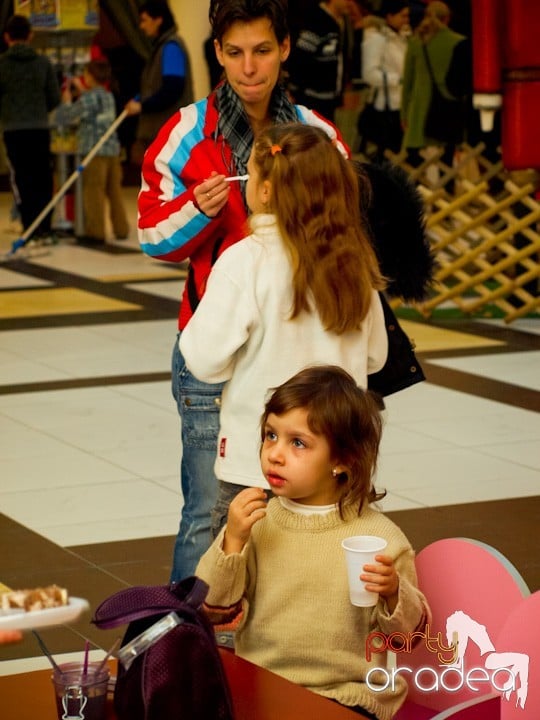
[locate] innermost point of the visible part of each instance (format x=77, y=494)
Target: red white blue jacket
x=171, y=227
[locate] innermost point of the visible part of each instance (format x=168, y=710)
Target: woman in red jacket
x=188, y=208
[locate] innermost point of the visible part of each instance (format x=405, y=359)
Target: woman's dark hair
x=223, y=13
x=347, y=416
x=159, y=9
x=392, y=7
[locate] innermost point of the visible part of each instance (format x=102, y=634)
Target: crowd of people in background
x=370, y=51
x=374, y=51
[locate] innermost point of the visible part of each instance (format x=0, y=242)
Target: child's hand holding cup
x=360, y=550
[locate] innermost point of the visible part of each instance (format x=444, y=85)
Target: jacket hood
x=21, y=52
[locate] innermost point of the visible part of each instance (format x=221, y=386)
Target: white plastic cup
x=360, y=550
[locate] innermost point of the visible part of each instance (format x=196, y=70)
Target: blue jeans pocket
x=200, y=419
x=198, y=405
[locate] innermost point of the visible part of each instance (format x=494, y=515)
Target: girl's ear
x=339, y=469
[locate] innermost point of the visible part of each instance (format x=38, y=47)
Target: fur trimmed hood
x=394, y=210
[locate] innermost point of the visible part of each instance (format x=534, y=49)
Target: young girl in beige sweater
x=281, y=561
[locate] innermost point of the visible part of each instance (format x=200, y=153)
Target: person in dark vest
x=166, y=83
x=29, y=91
x=189, y=208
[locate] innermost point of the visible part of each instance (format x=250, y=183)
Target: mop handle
x=69, y=182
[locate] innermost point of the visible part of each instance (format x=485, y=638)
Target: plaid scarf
x=234, y=124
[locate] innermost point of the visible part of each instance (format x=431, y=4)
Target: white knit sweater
x=241, y=332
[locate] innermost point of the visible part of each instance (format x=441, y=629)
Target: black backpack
x=170, y=668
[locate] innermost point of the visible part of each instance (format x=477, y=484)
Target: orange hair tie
x=275, y=149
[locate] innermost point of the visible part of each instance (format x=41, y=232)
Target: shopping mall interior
x=90, y=441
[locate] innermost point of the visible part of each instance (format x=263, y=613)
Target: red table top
x=257, y=695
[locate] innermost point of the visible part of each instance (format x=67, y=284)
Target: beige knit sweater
x=298, y=621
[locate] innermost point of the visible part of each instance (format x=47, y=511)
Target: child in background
x=282, y=563
x=102, y=178
x=300, y=290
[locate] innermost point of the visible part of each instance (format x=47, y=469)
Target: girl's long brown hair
x=316, y=202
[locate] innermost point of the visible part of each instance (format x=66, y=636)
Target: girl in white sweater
x=300, y=290
x=282, y=562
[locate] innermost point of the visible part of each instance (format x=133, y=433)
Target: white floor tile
x=93, y=263
x=157, y=394
x=139, y=501
x=35, y=355
x=148, y=460
x=127, y=528
x=171, y=482
x=526, y=454
x=18, y=370
x=167, y=289
x=63, y=467
x=397, y=439
x=501, y=425
x=20, y=441
x=516, y=368
x=455, y=476
x=92, y=419
x=429, y=402
x=156, y=335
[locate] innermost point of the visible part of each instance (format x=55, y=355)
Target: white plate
x=21, y=620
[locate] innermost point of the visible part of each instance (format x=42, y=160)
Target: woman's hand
x=382, y=579
x=133, y=107
x=212, y=194
x=10, y=636
x=247, y=508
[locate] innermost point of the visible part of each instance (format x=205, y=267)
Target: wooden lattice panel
x=484, y=229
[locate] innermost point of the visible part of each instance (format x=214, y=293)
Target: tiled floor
x=90, y=441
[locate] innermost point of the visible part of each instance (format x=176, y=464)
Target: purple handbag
x=169, y=665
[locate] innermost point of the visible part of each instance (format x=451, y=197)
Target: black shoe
x=90, y=241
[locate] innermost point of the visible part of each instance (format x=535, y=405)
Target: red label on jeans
x=222, y=444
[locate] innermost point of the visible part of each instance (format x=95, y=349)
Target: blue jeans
x=226, y=494
x=198, y=406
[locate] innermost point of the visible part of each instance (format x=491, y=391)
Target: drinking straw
x=113, y=649
x=46, y=652
x=85, y=662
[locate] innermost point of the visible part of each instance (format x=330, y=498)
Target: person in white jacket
x=384, y=46
x=300, y=290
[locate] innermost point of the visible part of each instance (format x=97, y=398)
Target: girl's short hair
x=316, y=201
x=223, y=13
x=347, y=416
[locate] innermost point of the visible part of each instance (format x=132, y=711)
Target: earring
x=334, y=473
